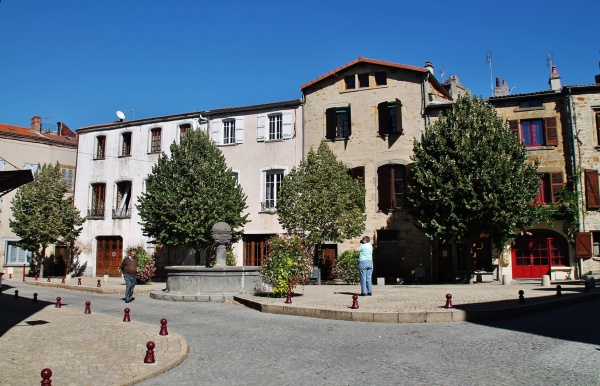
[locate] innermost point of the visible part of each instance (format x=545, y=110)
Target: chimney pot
x=497, y=82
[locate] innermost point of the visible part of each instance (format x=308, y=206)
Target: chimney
x=59, y=130
x=501, y=90
x=429, y=67
x=598, y=79
x=554, y=80
x=36, y=124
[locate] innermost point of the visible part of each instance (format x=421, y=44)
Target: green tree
x=470, y=175
x=42, y=215
x=320, y=201
x=190, y=191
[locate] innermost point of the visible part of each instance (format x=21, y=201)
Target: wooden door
x=445, y=263
x=329, y=253
x=109, y=254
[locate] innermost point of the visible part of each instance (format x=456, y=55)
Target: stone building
x=29, y=148
x=369, y=112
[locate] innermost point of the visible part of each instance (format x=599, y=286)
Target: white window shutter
x=260, y=128
x=216, y=131
x=286, y=129
x=1, y=165
x=239, y=130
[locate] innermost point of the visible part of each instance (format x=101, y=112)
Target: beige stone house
x=369, y=112
x=28, y=148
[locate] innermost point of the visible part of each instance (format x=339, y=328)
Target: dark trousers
x=130, y=280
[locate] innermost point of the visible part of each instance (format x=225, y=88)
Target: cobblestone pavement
x=231, y=344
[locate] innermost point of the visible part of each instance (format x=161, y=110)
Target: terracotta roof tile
x=25, y=133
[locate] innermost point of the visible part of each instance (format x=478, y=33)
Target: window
x=184, y=130
x=123, y=200
x=363, y=80
x=228, y=131
x=531, y=103
x=256, y=248
x=350, y=82
x=125, y=144
x=273, y=180
x=338, y=123
x=392, y=184
x=597, y=113
x=100, y=147
x=380, y=78
x=357, y=173
x=390, y=117
x=15, y=255
x=98, y=196
x=155, y=139
x=68, y=175
x=32, y=167
x=536, y=132
x=592, y=195
x=275, y=127
x=550, y=186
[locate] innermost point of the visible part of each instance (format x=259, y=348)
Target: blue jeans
x=365, y=268
x=130, y=281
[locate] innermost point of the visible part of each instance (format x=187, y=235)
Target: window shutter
x=513, y=124
x=286, y=130
x=216, y=131
x=592, y=196
x=330, y=123
x=1, y=165
x=384, y=187
x=551, y=131
x=557, y=185
x=399, y=127
x=583, y=245
x=239, y=130
x=598, y=125
x=357, y=173
x=261, y=122
x=349, y=121
x=382, y=113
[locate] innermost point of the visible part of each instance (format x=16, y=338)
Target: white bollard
x=546, y=281
x=505, y=279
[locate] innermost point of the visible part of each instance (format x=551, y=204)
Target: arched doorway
x=533, y=254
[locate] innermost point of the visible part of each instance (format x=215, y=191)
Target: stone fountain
x=194, y=283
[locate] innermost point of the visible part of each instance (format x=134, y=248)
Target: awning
x=12, y=179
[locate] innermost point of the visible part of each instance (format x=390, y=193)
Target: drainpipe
x=575, y=181
x=424, y=92
x=303, y=103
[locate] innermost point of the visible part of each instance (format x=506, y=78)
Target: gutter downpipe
x=576, y=180
x=303, y=104
x=424, y=92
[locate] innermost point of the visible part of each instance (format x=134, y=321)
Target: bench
x=483, y=276
x=561, y=273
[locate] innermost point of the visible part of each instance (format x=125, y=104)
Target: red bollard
x=558, y=290
x=78, y=281
x=49, y=279
x=16, y=294
x=163, y=327
x=37, y=277
x=354, y=302
x=35, y=295
x=63, y=280
x=23, y=273
x=58, y=304
x=288, y=299
x=126, y=318
x=448, y=301
x=10, y=276
x=521, y=296
x=99, y=285
x=87, y=308
x=586, y=286
x=46, y=374
x=150, y=353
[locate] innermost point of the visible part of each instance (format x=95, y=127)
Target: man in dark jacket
x=129, y=270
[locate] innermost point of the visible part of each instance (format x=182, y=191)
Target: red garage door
x=533, y=255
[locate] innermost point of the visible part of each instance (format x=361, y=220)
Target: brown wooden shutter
x=551, y=131
x=330, y=123
x=383, y=115
x=513, y=124
x=598, y=126
x=556, y=185
x=384, y=187
x=592, y=196
x=583, y=245
x=399, y=128
x=349, y=121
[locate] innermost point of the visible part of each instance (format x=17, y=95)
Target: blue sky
x=80, y=61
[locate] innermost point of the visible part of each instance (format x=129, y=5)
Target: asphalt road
x=233, y=345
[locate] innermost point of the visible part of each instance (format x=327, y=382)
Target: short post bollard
x=126, y=317
x=10, y=276
x=46, y=374
x=288, y=299
x=88, y=310
x=63, y=280
x=586, y=286
x=354, y=302
x=37, y=277
x=150, y=353
x=558, y=290
x=78, y=281
x=99, y=285
x=163, y=327
x=16, y=294
x=448, y=301
x=48, y=279
x=35, y=295
x=521, y=296
x=58, y=304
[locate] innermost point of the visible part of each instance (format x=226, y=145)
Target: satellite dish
x=120, y=115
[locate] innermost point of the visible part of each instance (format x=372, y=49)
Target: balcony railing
x=121, y=213
x=95, y=213
x=268, y=206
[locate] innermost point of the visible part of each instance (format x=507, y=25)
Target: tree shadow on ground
x=17, y=310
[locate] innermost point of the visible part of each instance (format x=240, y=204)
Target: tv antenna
x=443, y=72
x=488, y=57
x=121, y=115
x=549, y=60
